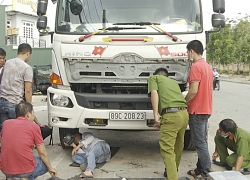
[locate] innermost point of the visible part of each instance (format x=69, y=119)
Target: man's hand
x=74, y=151
x=52, y=172
x=43, y=125
x=215, y=155
x=157, y=124
x=65, y=144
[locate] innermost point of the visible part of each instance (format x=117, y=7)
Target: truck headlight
x=60, y=100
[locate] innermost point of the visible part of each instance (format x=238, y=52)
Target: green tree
x=221, y=46
x=231, y=44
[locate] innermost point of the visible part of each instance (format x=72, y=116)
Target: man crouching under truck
x=171, y=118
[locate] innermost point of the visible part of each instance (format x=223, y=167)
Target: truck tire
x=63, y=132
x=188, y=145
x=44, y=92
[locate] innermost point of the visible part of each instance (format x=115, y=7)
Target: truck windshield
x=87, y=16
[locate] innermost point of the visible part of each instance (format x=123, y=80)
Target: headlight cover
x=60, y=100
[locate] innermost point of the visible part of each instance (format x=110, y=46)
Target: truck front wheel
x=188, y=145
x=44, y=92
x=63, y=132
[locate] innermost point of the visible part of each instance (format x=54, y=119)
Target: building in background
x=18, y=18
x=20, y=25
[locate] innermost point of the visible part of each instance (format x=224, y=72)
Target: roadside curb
x=235, y=78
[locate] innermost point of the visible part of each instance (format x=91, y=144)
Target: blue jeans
x=7, y=111
x=98, y=154
x=198, y=131
x=39, y=170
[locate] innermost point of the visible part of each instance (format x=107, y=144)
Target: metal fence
x=16, y=40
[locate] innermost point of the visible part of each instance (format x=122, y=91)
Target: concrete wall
x=243, y=68
x=3, y=26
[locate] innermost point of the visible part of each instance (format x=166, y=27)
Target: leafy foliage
x=231, y=44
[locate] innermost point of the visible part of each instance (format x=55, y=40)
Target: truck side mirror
x=42, y=7
x=218, y=21
x=219, y=6
x=41, y=22
x=76, y=7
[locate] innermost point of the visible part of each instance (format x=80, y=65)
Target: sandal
x=193, y=173
x=201, y=177
x=80, y=176
x=197, y=175
x=74, y=164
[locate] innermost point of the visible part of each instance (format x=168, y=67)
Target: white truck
x=105, y=50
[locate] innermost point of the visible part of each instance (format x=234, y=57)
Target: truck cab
x=104, y=52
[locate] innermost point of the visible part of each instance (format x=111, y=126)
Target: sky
x=233, y=8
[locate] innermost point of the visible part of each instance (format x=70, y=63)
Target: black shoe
x=245, y=171
x=165, y=173
x=223, y=164
x=229, y=168
x=220, y=163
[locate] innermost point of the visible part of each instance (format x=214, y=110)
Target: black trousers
x=46, y=131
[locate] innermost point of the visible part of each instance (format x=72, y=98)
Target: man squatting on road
x=18, y=137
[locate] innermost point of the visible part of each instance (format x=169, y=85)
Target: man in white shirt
x=16, y=83
x=216, y=74
x=216, y=77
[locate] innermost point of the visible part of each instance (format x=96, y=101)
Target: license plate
x=127, y=116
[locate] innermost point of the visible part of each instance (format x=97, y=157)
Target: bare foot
x=88, y=173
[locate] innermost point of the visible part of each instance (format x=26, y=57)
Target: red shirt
x=18, y=138
x=201, y=72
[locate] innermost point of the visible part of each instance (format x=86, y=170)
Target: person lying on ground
x=87, y=151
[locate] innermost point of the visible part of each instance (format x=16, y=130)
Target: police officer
x=229, y=136
x=171, y=117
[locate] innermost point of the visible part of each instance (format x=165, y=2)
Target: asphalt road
x=137, y=153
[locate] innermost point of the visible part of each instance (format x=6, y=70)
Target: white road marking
x=58, y=159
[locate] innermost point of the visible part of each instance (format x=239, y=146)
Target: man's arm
x=193, y=89
x=38, y=123
x=239, y=162
x=28, y=91
x=74, y=151
x=154, y=102
x=44, y=156
x=87, y=139
x=215, y=154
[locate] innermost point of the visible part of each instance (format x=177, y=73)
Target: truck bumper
x=78, y=116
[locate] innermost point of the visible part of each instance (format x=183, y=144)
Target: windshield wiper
x=116, y=28
x=174, y=38
x=137, y=23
